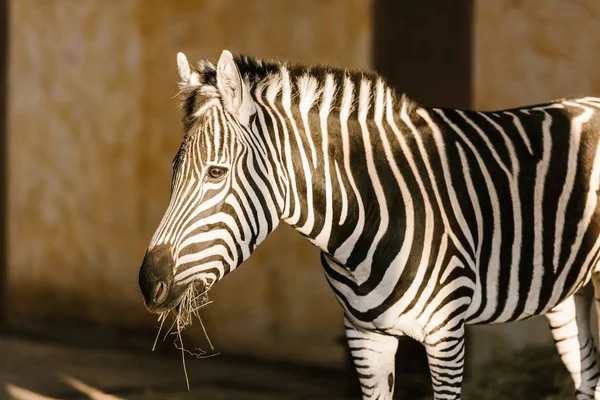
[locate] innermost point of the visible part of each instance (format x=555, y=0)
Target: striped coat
x=428, y=219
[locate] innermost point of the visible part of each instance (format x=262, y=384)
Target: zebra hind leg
x=374, y=356
x=570, y=325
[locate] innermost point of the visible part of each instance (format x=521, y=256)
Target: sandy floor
x=31, y=370
x=34, y=370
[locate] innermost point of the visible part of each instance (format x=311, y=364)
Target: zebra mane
x=258, y=72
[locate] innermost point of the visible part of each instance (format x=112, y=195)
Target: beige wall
x=93, y=127
x=532, y=51
x=527, y=52
x=74, y=234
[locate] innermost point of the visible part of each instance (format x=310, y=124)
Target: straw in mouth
x=183, y=315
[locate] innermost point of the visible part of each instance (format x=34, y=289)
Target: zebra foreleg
x=570, y=325
x=373, y=355
x=446, y=357
x=596, y=295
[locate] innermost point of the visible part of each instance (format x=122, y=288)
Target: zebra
x=428, y=219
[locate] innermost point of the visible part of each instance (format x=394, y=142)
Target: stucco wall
x=526, y=52
x=533, y=51
x=93, y=127
x=74, y=234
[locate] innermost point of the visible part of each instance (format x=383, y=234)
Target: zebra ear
x=234, y=92
x=186, y=75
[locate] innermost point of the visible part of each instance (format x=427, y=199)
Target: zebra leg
x=374, y=355
x=446, y=357
x=570, y=325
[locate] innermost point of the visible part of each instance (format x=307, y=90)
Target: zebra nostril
x=160, y=293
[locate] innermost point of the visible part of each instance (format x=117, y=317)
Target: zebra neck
x=332, y=162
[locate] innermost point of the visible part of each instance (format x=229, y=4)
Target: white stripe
x=273, y=150
x=474, y=196
x=215, y=249
x=454, y=204
x=565, y=195
x=308, y=89
x=322, y=239
x=274, y=87
x=582, y=227
x=538, y=207
x=494, y=260
x=344, y=210
x=513, y=179
x=363, y=270
x=191, y=273
x=286, y=100
x=521, y=131
x=423, y=151
x=343, y=251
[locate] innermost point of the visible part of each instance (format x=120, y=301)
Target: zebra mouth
x=182, y=298
x=193, y=298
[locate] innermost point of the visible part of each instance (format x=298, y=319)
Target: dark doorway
x=424, y=49
x=4, y=20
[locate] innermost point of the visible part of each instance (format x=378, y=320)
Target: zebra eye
x=216, y=172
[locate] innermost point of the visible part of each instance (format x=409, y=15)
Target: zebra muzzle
x=156, y=278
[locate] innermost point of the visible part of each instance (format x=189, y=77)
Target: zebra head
x=221, y=204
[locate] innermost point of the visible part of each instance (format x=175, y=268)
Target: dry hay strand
x=183, y=316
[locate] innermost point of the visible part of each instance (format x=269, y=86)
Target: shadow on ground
x=31, y=370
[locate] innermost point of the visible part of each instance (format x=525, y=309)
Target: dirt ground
x=41, y=370
x=31, y=370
